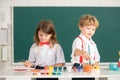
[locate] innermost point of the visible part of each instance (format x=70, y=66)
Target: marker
x=119, y=59
x=89, y=53
x=81, y=60
x=119, y=53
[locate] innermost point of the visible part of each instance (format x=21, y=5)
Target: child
x=83, y=45
x=46, y=51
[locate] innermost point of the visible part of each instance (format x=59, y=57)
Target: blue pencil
x=89, y=53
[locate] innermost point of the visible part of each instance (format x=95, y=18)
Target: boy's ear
x=79, y=27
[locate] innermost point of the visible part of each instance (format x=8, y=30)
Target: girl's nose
x=43, y=37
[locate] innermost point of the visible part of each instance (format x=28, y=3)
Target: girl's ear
x=51, y=36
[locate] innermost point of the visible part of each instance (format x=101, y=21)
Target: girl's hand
x=28, y=64
x=59, y=64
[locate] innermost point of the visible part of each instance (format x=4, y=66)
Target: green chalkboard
x=65, y=19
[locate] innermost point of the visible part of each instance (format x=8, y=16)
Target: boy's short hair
x=87, y=20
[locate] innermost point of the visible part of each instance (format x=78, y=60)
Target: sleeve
x=77, y=44
x=59, y=55
x=31, y=55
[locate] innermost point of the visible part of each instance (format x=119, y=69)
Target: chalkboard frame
x=102, y=36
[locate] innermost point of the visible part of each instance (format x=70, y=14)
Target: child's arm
x=60, y=60
x=96, y=64
x=79, y=52
x=59, y=64
x=28, y=64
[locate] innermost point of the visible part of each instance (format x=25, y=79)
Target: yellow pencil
x=119, y=53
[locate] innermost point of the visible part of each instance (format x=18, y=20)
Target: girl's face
x=88, y=31
x=43, y=37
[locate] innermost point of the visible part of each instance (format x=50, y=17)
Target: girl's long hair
x=48, y=28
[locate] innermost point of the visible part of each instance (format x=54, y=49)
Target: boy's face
x=88, y=31
x=43, y=36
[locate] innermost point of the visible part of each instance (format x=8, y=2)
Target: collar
x=44, y=43
x=89, y=41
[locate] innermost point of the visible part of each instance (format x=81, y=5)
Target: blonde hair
x=47, y=27
x=87, y=20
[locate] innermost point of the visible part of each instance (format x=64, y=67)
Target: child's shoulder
x=93, y=42
x=77, y=39
x=34, y=45
x=56, y=44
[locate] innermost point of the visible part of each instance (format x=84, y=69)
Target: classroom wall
x=6, y=18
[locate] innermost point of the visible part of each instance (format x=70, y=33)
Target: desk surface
x=9, y=72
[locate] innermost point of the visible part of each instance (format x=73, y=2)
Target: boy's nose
x=91, y=31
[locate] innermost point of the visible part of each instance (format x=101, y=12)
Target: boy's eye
x=88, y=28
x=93, y=29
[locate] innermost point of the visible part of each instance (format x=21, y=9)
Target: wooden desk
x=8, y=73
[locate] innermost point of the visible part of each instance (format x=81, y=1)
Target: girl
x=46, y=51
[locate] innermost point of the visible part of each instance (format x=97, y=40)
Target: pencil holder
x=55, y=69
x=96, y=67
x=119, y=61
x=64, y=69
x=113, y=67
x=50, y=70
x=119, y=64
x=87, y=68
x=60, y=69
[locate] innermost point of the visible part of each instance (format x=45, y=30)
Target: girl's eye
x=46, y=35
x=40, y=35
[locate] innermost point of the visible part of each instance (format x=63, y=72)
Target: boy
x=83, y=45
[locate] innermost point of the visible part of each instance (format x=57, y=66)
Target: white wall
x=5, y=32
x=6, y=16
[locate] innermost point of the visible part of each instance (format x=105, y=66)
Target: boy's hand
x=86, y=56
x=28, y=64
x=79, y=52
x=96, y=64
